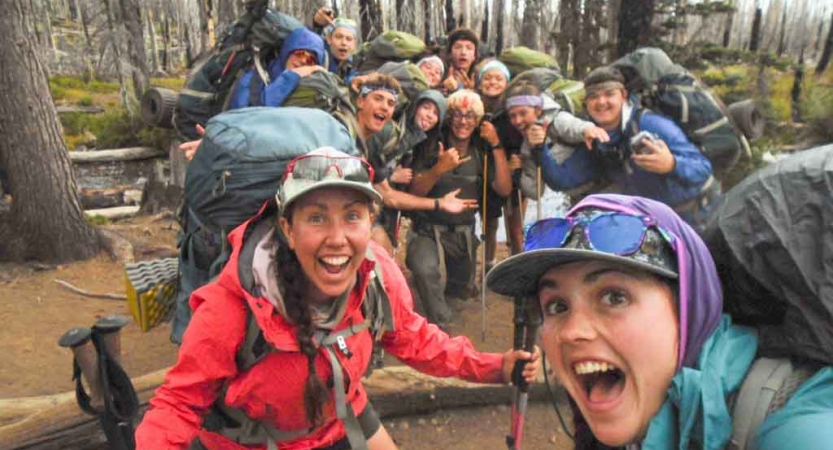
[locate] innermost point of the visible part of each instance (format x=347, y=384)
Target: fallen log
x=66, y=109
x=110, y=196
x=394, y=391
x=122, y=154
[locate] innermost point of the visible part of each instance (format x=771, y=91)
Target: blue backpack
x=236, y=169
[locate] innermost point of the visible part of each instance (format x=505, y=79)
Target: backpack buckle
x=342, y=346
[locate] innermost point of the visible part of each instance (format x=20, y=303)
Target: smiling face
x=611, y=335
x=605, y=107
x=329, y=232
x=375, y=110
x=463, y=54
x=433, y=73
x=426, y=115
x=342, y=43
x=462, y=123
x=493, y=83
x=521, y=117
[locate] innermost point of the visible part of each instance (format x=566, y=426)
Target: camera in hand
x=637, y=143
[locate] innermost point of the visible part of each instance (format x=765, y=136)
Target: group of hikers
x=628, y=294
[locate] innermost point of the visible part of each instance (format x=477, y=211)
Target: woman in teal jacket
x=634, y=330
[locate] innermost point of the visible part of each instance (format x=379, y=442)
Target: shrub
x=85, y=101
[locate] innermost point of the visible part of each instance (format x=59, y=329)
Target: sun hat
x=322, y=168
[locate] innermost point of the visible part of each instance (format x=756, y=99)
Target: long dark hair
x=294, y=282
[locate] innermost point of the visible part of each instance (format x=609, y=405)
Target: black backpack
x=255, y=38
x=236, y=169
x=673, y=91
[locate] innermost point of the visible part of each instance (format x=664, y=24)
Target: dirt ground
x=35, y=311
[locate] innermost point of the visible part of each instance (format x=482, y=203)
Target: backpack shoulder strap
x=755, y=398
x=377, y=303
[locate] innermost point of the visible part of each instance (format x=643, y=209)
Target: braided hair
x=293, y=281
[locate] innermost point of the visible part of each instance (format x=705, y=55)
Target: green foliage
x=173, y=83
x=85, y=101
x=98, y=220
x=112, y=129
x=818, y=107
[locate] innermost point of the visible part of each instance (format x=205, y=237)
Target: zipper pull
x=342, y=346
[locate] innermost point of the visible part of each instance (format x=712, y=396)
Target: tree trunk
x=226, y=15
x=115, y=43
x=755, y=38
x=531, y=25
x=568, y=10
x=820, y=34
x=426, y=8
x=484, y=26
x=613, y=8
x=46, y=221
x=154, y=48
x=370, y=19
x=825, y=55
x=796, y=91
x=450, y=22
x=587, y=53
x=727, y=32
x=500, y=8
x=131, y=14
x=782, y=39
x=47, y=25
x=634, y=25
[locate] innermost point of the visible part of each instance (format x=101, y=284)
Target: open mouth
x=381, y=118
x=334, y=264
x=602, y=382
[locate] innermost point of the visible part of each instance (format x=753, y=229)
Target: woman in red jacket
x=298, y=278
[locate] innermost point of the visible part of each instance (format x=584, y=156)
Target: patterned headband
x=534, y=101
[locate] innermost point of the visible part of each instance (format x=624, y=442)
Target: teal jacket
x=696, y=412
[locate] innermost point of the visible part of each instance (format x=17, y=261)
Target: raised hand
x=323, y=17
x=190, y=147
x=464, y=78
x=453, y=205
x=536, y=133
x=450, y=83
x=449, y=160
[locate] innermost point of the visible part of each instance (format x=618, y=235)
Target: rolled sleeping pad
x=748, y=118
x=158, y=106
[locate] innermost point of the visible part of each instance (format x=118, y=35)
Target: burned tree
x=46, y=221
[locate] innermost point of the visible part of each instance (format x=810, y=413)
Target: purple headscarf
x=701, y=298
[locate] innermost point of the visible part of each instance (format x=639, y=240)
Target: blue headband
x=534, y=101
x=494, y=65
x=368, y=88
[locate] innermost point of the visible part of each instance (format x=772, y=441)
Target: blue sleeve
x=691, y=167
x=805, y=421
x=578, y=169
x=240, y=97
x=279, y=89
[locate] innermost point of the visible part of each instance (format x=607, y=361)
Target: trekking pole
x=526, y=331
x=538, y=183
x=483, y=221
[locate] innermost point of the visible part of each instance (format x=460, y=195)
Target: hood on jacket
x=700, y=295
x=432, y=95
x=302, y=39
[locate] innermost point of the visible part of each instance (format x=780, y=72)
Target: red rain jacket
x=272, y=390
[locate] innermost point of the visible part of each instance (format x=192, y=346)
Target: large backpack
x=569, y=94
x=389, y=46
x=255, y=38
x=321, y=90
x=772, y=244
x=673, y=91
x=236, y=169
x=410, y=78
x=520, y=59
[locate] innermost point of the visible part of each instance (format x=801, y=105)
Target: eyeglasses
x=615, y=233
x=319, y=167
x=460, y=117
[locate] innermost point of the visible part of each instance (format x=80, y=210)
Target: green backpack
x=520, y=59
x=321, y=90
x=389, y=46
x=410, y=78
x=255, y=37
x=569, y=94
